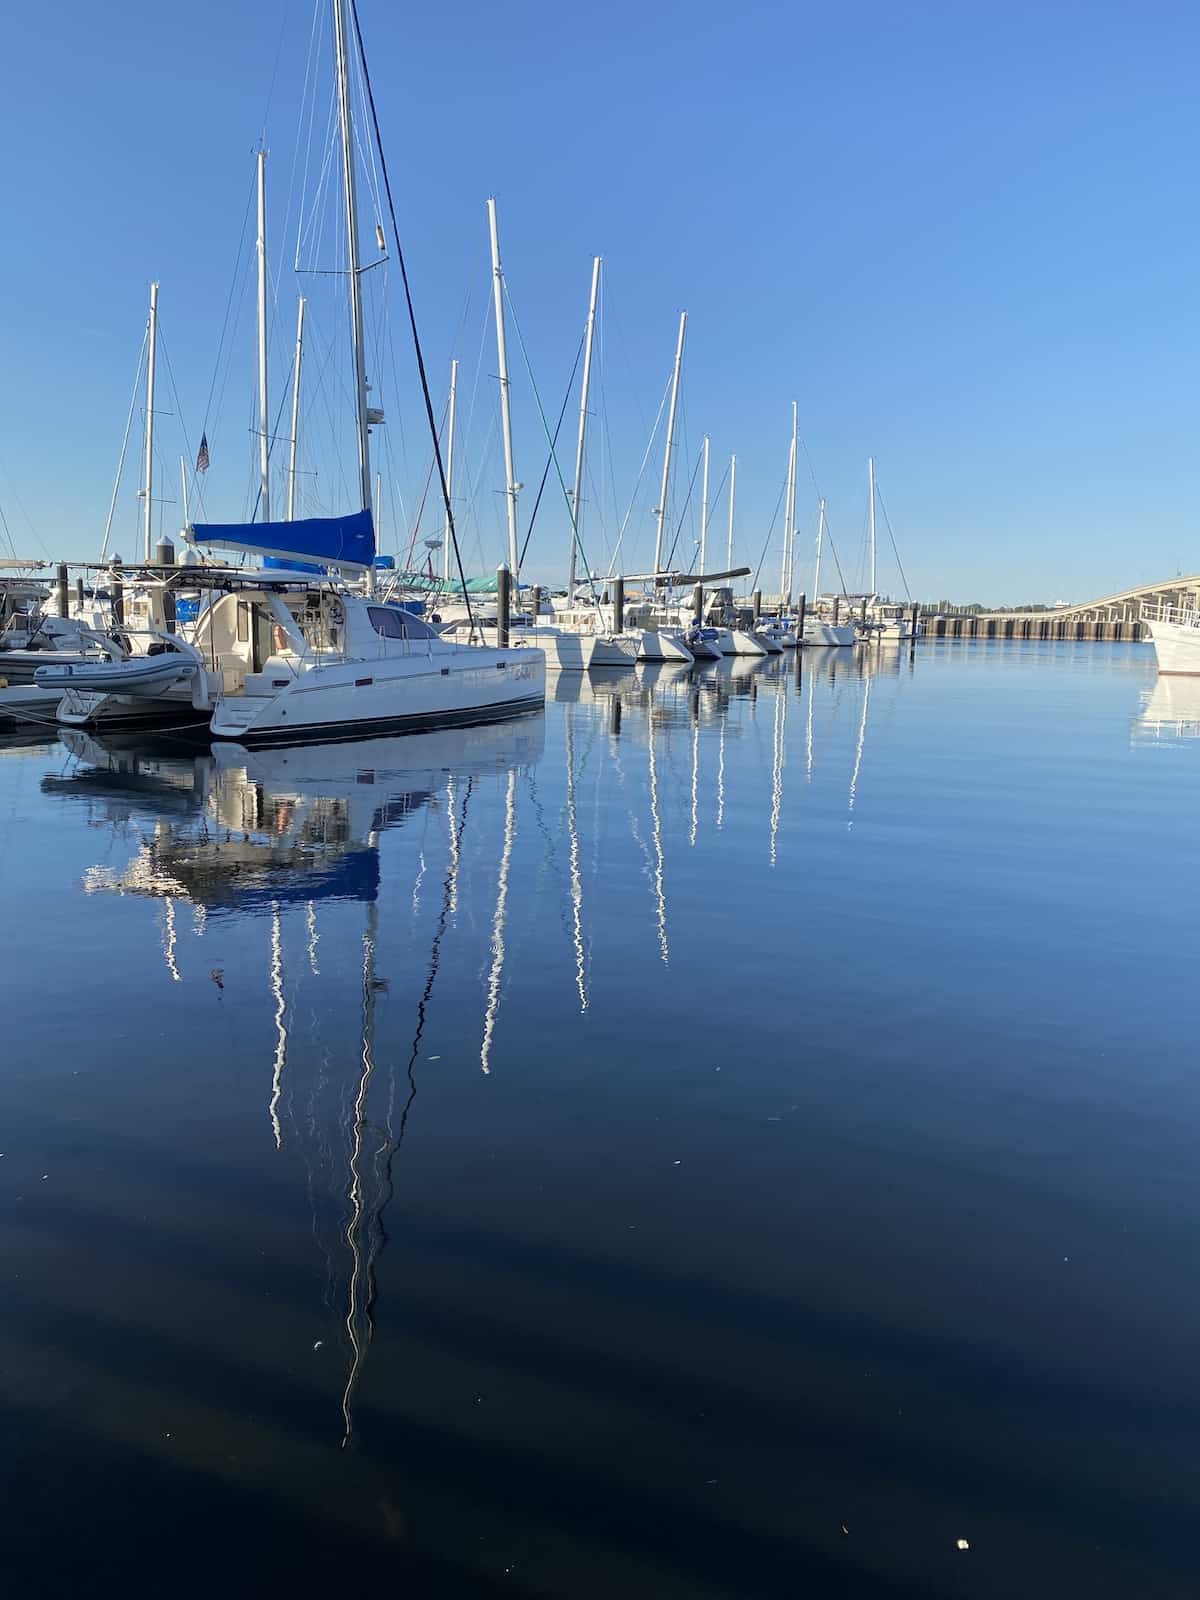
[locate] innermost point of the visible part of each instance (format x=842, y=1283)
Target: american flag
x=202, y=454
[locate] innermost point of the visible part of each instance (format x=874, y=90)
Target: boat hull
x=614, y=652
x=828, y=634
x=19, y=666
x=25, y=704
x=358, y=699
x=1176, y=646
x=661, y=644
x=741, y=643
x=140, y=675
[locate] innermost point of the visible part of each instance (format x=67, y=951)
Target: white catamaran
x=278, y=657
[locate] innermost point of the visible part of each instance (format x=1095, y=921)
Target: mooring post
x=837, y=608
x=503, y=604
x=618, y=607
x=756, y=602
x=801, y=612
x=79, y=594
x=698, y=603
x=63, y=591
x=915, y=617
x=166, y=558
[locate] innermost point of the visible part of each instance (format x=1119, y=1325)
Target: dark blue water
x=735, y=1135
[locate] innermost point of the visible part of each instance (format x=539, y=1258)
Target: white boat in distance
x=1175, y=634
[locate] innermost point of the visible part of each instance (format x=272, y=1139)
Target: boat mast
x=871, y=480
x=732, y=485
x=789, y=518
x=704, y=505
x=449, y=469
x=291, y=498
x=148, y=464
x=661, y=512
x=511, y=485
x=577, y=495
x=264, y=418
x=816, y=594
x=352, y=266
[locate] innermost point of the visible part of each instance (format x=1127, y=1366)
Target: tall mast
x=510, y=477
x=789, y=517
x=352, y=266
x=577, y=495
x=148, y=464
x=871, y=480
x=704, y=505
x=264, y=416
x=449, y=468
x=296, y=365
x=661, y=513
x=732, y=485
x=816, y=594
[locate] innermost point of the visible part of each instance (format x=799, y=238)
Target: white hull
x=744, y=644
x=771, y=645
x=25, y=703
x=350, y=699
x=140, y=675
x=705, y=649
x=1176, y=645
x=619, y=651
x=663, y=644
x=564, y=651
x=90, y=708
x=824, y=634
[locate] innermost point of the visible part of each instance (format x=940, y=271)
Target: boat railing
x=1160, y=611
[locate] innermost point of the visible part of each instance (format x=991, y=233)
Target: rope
x=412, y=315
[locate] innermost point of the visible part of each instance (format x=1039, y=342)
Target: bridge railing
x=1160, y=611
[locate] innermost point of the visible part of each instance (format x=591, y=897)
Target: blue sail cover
x=347, y=541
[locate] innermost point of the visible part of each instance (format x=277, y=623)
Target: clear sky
x=963, y=236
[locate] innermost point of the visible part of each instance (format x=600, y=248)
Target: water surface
x=732, y=1135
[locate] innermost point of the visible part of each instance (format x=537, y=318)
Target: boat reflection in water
x=259, y=832
x=1170, y=710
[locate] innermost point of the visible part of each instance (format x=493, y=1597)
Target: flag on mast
x=202, y=454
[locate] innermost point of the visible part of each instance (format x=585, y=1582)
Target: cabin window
x=243, y=622
x=393, y=623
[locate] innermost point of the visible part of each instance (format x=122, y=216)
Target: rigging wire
x=137, y=383
x=546, y=469
x=638, y=481
x=892, y=537
x=828, y=535
x=687, y=501
x=770, y=531
x=553, y=439
x=412, y=315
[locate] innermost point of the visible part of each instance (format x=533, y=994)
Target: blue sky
x=963, y=236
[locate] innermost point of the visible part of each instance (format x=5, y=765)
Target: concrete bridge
x=1125, y=607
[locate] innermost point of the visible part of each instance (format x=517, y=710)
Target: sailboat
x=286, y=658
x=885, y=621
x=816, y=630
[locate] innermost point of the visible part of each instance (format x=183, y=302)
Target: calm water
x=735, y=1135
